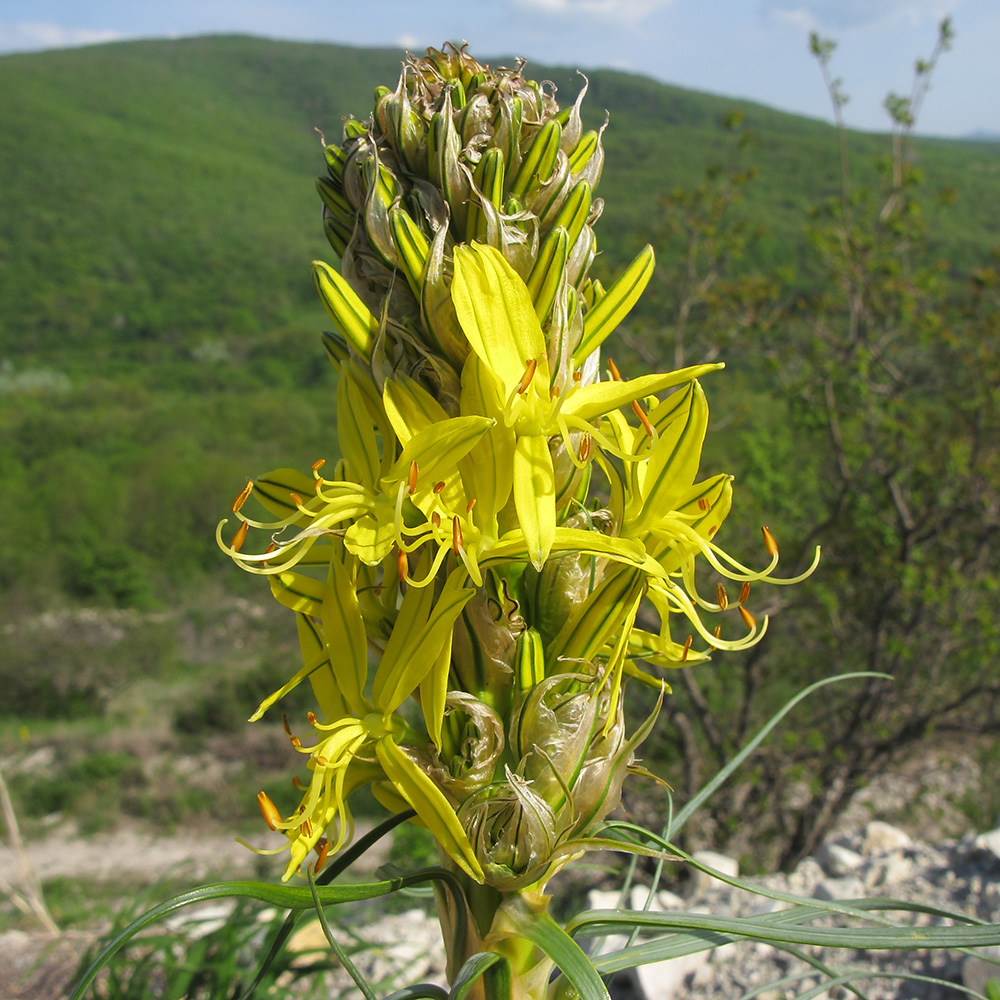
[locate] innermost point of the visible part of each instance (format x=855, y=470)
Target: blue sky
x=755, y=49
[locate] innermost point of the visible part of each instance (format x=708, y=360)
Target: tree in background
x=888, y=398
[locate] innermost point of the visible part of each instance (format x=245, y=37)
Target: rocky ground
x=863, y=857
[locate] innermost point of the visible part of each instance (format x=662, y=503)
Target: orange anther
x=704, y=503
x=296, y=783
x=554, y=392
x=322, y=850
x=238, y=538
x=769, y=543
x=615, y=373
x=457, y=541
x=268, y=810
x=721, y=597
x=284, y=723
x=687, y=648
x=717, y=631
x=577, y=375
x=713, y=530
x=402, y=566
x=318, y=464
x=242, y=498
x=748, y=618
x=271, y=547
x=744, y=592
x=321, y=760
x=306, y=827
x=470, y=505
x=586, y=447
x=529, y=374
x=411, y=480
x=643, y=419
x=438, y=487
x=311, y=716
x=435, y=519
x=296, y=499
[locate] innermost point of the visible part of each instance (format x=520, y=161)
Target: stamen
x=284, y=722
x=402, y=566
x=748, y=618
x=321, y=760
x=554, y=392
x=615, y=373
x=687, y=647
x=322, y=850
x=586, y=447
x=438, y=487
x=721, y=597
x=242, y=498
x=470, y=505
x=704, y=503
x=296, y=783
x=411, y=481
x=577, y=375
x=769, y=543
x=238, y=538
x=529, y=374
x=311, y=716
x=717, y=632
x=268, y=810
x=457, y=542
x=318, y=464
x=643, y=419
x=744, y=592
x=435, y=519
x=306, y=827
x=296, y=499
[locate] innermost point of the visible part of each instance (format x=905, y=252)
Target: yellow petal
x=430, y=805
x=535, y=495
x=497, y=315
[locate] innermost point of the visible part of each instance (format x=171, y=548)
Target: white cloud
x=28, y=36
x=629, y=12
x=842, y=15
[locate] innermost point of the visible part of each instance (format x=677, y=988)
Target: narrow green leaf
x=617, y=302
x=543, y=932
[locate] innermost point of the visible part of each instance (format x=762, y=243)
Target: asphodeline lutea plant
x=512, y=532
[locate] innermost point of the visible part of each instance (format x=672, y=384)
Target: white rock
x=638, y=897
x=989, y=842
x=839, y=888
x=701, y=882
x=670, y=900
x=880, y=838
x=661, y=980
x=603, y=899
x=838, y=860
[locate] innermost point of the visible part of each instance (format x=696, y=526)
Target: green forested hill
x=158, y=324
x=159, y=193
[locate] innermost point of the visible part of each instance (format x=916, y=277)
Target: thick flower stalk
x=512, y=531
